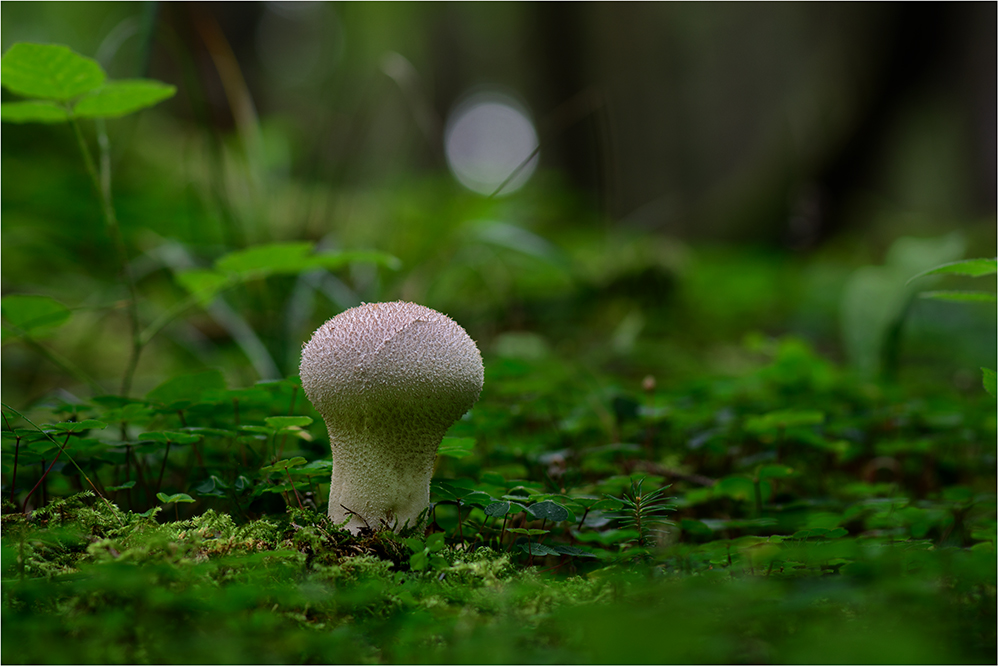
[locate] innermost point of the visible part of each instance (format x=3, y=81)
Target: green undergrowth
x=85, y=582
x=791, y=514
x=633, y=486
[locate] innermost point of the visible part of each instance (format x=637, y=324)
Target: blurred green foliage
x=670, y=460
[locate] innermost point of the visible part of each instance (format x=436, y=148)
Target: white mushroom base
x=389, y=379
x=387, y=487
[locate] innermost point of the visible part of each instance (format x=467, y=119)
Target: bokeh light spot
x=490, y=138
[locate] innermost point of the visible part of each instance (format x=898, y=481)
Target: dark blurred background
x=704, y=170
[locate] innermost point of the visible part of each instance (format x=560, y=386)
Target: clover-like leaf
x=571, y=551
x=119, y=98
x=532, y=548
x=49, y=71
x=967, y=267
x=456, y=447
x=282, y=465
x=33, y=111
x=497, y=509
x=212, y=487
x=170, y=499
x=76, y=426
x=170, y=436
x=550, y=511
x=279, y=422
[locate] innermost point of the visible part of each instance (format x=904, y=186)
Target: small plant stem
x=197, y=454
x=24, y=507
x=563, y=562
x=460, y=534
x=128, y=472
x=757, y=488
x=142, y=480
x=51, y=439
x=291, y=412
x=102, y=184
x=17, y=446
x=293, y=488
x=280, y=449
x=585, y=512
x=162, y=469
x=13, y=478
x=502, y=532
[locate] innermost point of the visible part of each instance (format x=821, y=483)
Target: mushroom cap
x=391, y=365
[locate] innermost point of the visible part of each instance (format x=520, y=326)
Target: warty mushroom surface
x=389, y=379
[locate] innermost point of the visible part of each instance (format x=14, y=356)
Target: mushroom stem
x=389, y=379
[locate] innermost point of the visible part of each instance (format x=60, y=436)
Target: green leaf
x=774, y=472
x=266, y=259
x=331, y=260
x=528, y=532
x=32, y=112
x=452, y=489
x=119, y=98
x=550, y=511
x=49, y=71
x=212, y=487
x=186, y=389
x=961, y=296
x=537, y=549
x=282, y=465
x=419, y=560
x=435, y=542
x=735, y=487
x=571, y=551
x=279, y=422
x=316, y=468
x=76, y=426
x=782, y=419
x=170, y=436
x=990, y=382
x=169, y=499
x=967, y=267
x=456, y=447
x=33, y=315
x=478, y=498
x=203, y=283
x=497, y=509
x=415, y=545
x=695, y=527
x=125, y=486
x=271, y=259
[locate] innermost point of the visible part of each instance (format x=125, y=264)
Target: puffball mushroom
x=389, y=379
